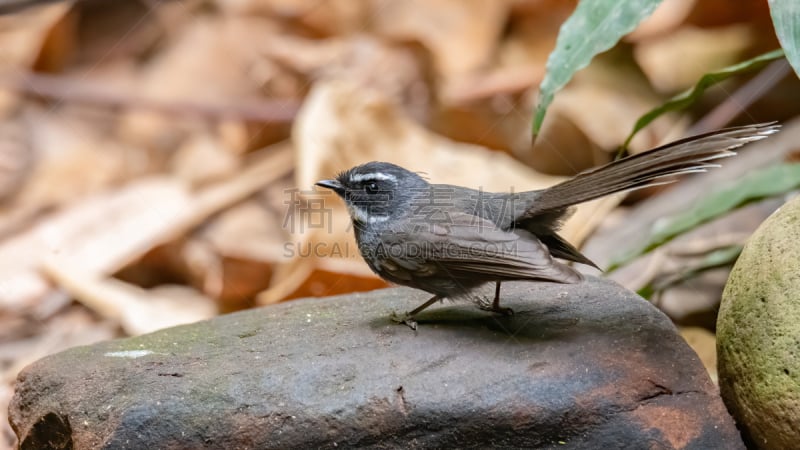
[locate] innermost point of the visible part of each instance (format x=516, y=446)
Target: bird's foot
x=502, y=310
x=404, y=318
x=495, y=308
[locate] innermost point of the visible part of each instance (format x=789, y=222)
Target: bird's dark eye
x=371, y=188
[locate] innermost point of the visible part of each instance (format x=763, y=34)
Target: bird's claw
x=493, y=307
x=496, y=309
x=406, y=319
x=502, y=310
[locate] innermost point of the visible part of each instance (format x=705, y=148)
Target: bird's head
x=376, y=191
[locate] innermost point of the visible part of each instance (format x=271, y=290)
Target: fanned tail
x=693, y=154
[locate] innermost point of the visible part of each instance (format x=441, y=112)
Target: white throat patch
x=359, y=215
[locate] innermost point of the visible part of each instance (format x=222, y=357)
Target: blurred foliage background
x=157, y=157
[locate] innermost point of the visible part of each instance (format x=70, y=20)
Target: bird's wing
x=464, y=246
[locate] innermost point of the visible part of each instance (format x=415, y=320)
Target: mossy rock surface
x=579, y=366
x=758, y=334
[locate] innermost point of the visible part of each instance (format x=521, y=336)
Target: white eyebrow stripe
x=359, y=177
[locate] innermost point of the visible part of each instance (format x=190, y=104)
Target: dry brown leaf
x=324, y=283
x=241, y=280
x=101, y=234
x=714, y=13
x=16, y=159
x=492, y=108
x=321, y=18
x=262, y=168
x=619, y=110
x=137, y=310
x=231, y=259
x=307, y=277
x=704, y=343
x=461, y=91
x=64, y=144
x=317, y=235
x=462, y=35
x=676, y=61
x=668, y=16
x=59, y=45
x=235, y=137
x=202, y=159
x=592, y=116
x=286, y=279
x=8, y=439
x=128, y=30
x=397, y=71
x=501, y=121
x=247, y=231
x=96, y=235
x=206, y=62
x=532, y=36
x=22, y=36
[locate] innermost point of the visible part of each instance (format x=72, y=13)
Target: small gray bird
x=449, y=240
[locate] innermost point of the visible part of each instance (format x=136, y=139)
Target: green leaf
x=786, y=20
x=688, y=97
x=756, y=185
x=594, y=27
x=720, y=257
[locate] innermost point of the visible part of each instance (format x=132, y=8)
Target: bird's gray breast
x=385, y=253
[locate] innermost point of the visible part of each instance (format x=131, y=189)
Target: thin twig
x=13, y=6
x=83, y=91
x=740, y=100
x=480, y=87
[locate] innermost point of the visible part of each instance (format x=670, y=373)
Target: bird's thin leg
x=408, y=318
x=496, y=302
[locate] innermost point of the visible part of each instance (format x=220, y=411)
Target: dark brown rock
x=577, y=366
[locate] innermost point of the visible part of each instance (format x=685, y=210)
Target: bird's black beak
x=333, y=185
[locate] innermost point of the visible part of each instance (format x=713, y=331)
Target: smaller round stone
x=758, y=333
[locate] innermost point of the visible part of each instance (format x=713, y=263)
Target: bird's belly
x=397, y=266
